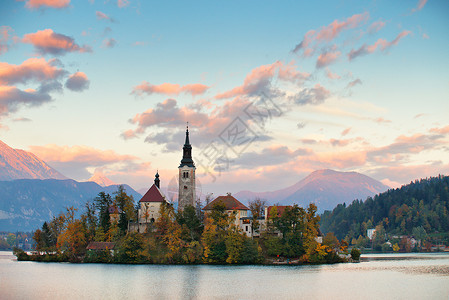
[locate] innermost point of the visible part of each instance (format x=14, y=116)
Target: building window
x=185, y=187
x=185, y=175
x=246, y=228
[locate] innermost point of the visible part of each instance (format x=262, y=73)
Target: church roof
x=230, y=203
x=154, y=194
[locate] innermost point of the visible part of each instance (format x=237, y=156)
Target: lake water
x=395, y=276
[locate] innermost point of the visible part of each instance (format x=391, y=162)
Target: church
x=150, y=203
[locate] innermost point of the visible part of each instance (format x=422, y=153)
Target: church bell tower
x=186, y=194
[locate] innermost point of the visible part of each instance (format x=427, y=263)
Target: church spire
x=187, y=151
x=157, y=182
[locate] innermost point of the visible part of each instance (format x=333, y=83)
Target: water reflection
x=412, y=276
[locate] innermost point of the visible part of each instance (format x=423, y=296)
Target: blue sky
x=360, y=86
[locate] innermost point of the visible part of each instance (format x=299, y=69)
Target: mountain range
x=26, y=203
x=20, y=164
x=32, y=192
x=325, y=188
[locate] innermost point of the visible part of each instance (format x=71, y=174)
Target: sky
x=271, y=90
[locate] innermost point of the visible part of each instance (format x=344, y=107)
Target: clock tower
x=186, y=194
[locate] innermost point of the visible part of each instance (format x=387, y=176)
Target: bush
x=20, y=254
x=355, y=254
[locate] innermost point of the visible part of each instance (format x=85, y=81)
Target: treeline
x=185, y=237
x=419, y=208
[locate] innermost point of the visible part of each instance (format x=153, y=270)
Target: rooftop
x=230, y=203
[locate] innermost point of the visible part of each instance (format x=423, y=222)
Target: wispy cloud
x=34, y=4
x=380, y=44
x=102, y=16
x=169, y=89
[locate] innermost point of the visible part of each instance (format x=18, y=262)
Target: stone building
x=186, y=192
x=149, y=207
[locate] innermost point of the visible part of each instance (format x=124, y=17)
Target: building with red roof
x=149, y=207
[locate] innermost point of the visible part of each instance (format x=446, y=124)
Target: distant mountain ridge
x=326, y=188
x=26, y=203
x=20, y=164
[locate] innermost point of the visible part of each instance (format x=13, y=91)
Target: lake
x=381, y=276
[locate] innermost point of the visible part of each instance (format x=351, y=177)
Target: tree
x=73, y=240
x=379, y=237
x=102, y=203
x=131, y=249
x=256, y=207
x=125, y=203
x=420, y=234
x=189, y=218
x=355, y=254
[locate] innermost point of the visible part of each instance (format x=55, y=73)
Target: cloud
x=354, y=83
x=5, y=32
x=346, y=131
x=169, y=89
x=325, y=59
x=442, y=130
x=22, y=119
x=48, y=42
x=272, y=155
x=376, y=26
x=381, y=44
x=122, y=3
x=328, y=33
x=33, y=69
x=77, y=82
x=102, y=16
x=109, y=43
x=11, y=98
x=74, y=160
x=419, y=6
x=259, y=79
x=314, y=96
x=331, y=75
x=33, y=4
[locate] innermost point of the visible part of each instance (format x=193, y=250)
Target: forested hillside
x=420, y=204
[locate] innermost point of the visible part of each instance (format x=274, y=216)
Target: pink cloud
x=48, y=3
x=169, y=89
x=331, y=75
x=77, y=82
x=109, y=43
x=443, y=130
x=260, y=78
x=325, y=59
x=48, y=42
x=381, y=44
x=33, y=69
x=329, y=32
x=420, y=5
x=102, y=16
x=122, y=3
x=346, y=131
x=78, y=153
x=376, y=26
x=11, y=98
x=5, y=32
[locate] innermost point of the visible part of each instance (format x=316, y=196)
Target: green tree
x=131, y=249
x=125, y=203
x=102, y=203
